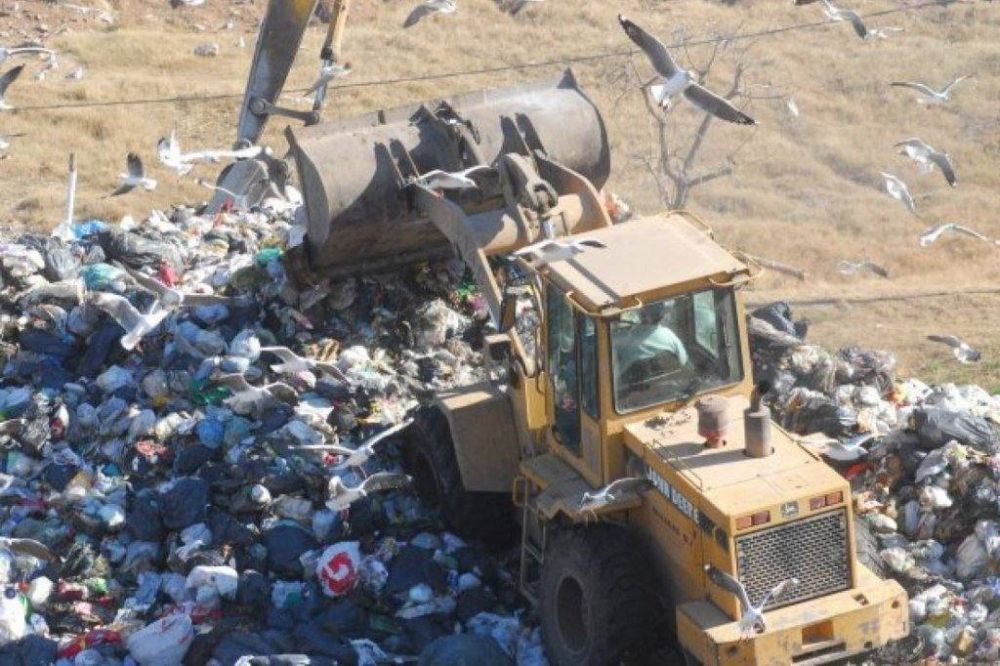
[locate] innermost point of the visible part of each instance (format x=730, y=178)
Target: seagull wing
x=954, y=83
x=122, y=189
x=133, y=164
x=203, y=300
x=385, y=481
x=30, y=547
x=282, y=392
x=876, y=269
x=944, y=163
x=118, y=308
x=235, y=382
x=919, y=87
x=419, y=12
x=8, y=78
x=969, y=232
x=859, y=25
x=950, y=340
x=284, y=353
x=386, y=434
x=151, y=285
x=915, y=143
x=779, y=590
x=627, y=484
x=729, y=584
x=708, y=101
x=651, y=46
x=332, y=370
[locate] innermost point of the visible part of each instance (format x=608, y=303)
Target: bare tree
x=674, y=163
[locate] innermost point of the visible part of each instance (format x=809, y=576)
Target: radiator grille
x=814, y=550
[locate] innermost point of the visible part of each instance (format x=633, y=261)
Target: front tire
x=596, y=601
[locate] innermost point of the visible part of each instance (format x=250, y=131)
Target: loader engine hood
x=360, y=215
x=724, y=483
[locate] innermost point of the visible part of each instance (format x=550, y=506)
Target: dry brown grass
x=806, y=191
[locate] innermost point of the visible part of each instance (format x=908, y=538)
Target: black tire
x=596, y=597
x=430, y=460
x=867, y=547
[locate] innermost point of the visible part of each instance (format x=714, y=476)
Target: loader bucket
x=351, y=171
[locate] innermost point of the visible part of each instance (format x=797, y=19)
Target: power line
x=563, y=60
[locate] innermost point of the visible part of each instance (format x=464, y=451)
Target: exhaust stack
x=757, y=424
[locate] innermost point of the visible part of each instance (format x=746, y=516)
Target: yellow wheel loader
x=621, y=438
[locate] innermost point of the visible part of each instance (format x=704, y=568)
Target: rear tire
x=596, y=597
x=430, y=460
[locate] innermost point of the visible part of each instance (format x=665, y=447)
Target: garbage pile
x=190, y=467
x=924, y=463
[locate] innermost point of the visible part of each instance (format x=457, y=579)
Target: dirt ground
x=804, y=190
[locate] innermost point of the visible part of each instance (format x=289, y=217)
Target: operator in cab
x=650, y=346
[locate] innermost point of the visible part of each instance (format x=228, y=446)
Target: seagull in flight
x=11, y=51
x=136, y=324
x=5, y=140
x=961, y=349
x=436, y=179
x=931, y=235
x=356, y=458
x=898, y=190
x=292, y=363
x=135, y=177
x=247, y=397
x=927, y=158
x=928, y=94
x=854, y=267
x=550, y=251
x=6, y=79
x=169, y=152
x=591, y=502
x=673, y=80
x=327, y=73
x=343, y=496
x=427, y=8
x=170, y=299
x=847, y=451
x=752, y=619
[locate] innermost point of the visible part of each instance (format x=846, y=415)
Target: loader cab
x=640, y=323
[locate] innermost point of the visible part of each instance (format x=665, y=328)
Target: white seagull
x=136, y=324
x=846, y=451
x=932, y=234
x=343, y=496
x=169, y=152
x=437, y=179
x=837, y=14
x=329, y=72
x=853, y=267
x=135, y=177
x=427, y=8
x=591, y=502
x=550, y=251
x=11, y=51
x=898, y=190
x=961, y=349
x=928, y=94
x=6, y=80
x=356, y=458
x=927, y=158
x=247, y=397
x=5, y=140
x=168, y=298
x=752, y=619
x=292, y=363
x=674, y=81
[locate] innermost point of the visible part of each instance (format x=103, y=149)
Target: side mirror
x=508, y=312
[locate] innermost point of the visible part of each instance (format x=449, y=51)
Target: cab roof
x=641, y=256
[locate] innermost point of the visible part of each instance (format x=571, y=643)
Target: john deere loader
x=622, y=440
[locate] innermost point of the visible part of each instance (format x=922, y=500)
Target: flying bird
x=292, y=363
x=329, y=72
x=927, y=158
x=5, y=140
x=135, y=177
x=550, y=251
x=842, y=451
x=136, y=324
x=247, y=397
x=168, y=149
x=752, y=619
x=6, y=79
x=854, y=267
x=932, y=234
x=961, y=349
x=673, y=80
x=11, y=51
x=343, y=496
x=928, y=94
x=437, y=179
x=427, y=8
x=591, y=502
x=898, y=190
x=356, y=458
x=837, y=14
x=168, y=298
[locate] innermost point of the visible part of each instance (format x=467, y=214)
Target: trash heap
x=156, y=509
x=924, y=463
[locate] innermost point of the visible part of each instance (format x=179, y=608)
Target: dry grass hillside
x=805, y=190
